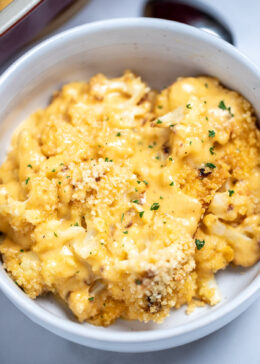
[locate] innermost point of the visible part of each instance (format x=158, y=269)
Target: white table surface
x=23, y=342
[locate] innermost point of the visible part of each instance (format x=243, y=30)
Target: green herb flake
x=157, y=157
x=122, y=217
x=59, y=182
x=61, y=164
x=211, y=150
x=21, y=250
x=211, y=133
x=106, y=159
x=55, y=234
x=159, y=121
x=159, y=107
x=161, y=198
x=53, y=170
x=207, y=118
x=188, y=106
x=125, y=232
x=222, y=105
x=76, y=224
x=135, y=201
x=91, y=299
x=170, y=159
x=230, y=112
x=155, y=206
x=206, y=85
x=210, y=165
x=138, y=282
x=171, y=184
x=145, y=182
x=138, y=182
x=136, y=190
x=150, y=146
x=231, y=192
x=118, y=134
x=27, y=180
x=67, y=176
x=141, y=214
x=199, y=243
x=29, y=165
x=172, y=125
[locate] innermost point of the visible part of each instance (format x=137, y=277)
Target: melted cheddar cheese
x=124, y=202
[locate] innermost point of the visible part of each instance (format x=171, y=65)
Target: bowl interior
x=160, y=52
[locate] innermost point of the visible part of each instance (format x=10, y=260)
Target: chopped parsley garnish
x=136, y=190
x=222, y=105
x=138, y=281
x=210, y=165
x=206, y=85
x=67, y=176
x=141, y=213
x=229, y=110
x=199, y=243
x=231, y=192
x=155, y=206
x=205, y=102
x=145, y=182
x=27, y=180
x=135, y=201
x=106, y=159
x=172, y=125
x=171, y=184
x=54, y=170
x=122, y=217
x=76, y=224
x=138, y=182
x=161, y=198
x=55, y=234
x=125, y=232
x=211, y=133
x=29, y=165
x=21, y=250
x=159, y=106
x=150, y=146
x=157, y=157
x=61, y=164
x=59, y=182
x=188, y=106
x=91, y=299
x=170, y=159
x=159, y=121
x=211, y=149
x=190, y=142
x=207, y=118
x=118, y=134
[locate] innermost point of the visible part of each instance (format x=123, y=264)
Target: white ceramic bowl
x=159, y=51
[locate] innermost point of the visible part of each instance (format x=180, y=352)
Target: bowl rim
x=54, y=323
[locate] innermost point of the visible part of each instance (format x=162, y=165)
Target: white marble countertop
x=23, y=342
